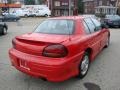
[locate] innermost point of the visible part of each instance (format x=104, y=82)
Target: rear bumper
x=41, y=67
x=113, y=24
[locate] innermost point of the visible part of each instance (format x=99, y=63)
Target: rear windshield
x=53, y=26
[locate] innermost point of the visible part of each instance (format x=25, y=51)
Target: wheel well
x=109, y=34
x=46, y=14
x=89, y=50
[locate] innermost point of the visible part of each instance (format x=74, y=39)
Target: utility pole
x=51, y=6
x=69, y=7
x=116, y=6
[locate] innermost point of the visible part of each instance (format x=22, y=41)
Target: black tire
x=107, y=42
x=82, y=73
x=4, y=31
x=15, y=20
x=26, y=15
x=34, y=15
x=46, y=15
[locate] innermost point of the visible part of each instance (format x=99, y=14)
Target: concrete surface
x=104, y=73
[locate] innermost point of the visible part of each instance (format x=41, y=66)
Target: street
x=104, y=72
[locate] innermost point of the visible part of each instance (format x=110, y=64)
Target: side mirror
x=103, y=25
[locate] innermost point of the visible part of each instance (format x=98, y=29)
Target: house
x=63, y=7
x=100, y=6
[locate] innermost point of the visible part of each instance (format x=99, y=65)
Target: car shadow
x=91, y=86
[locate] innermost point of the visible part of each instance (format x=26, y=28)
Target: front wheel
x=84, y=65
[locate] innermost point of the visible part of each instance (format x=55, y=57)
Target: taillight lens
x=55, y=51
x=13, y=43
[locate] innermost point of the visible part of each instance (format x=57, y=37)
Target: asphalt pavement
x=104, y=72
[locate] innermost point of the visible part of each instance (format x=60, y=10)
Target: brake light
x=55, y=51
x=13, y=43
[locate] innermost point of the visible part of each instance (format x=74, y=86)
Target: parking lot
x=104, y=73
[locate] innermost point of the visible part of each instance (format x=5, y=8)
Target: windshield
x=54, y=26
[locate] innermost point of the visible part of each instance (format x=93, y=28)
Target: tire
x=26, y=15
x=46, y=15
x=84, y=65
x=107, y=42
x=4, y=32
x=34, y=15
x=15, y=20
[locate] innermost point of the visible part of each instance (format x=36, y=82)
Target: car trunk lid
x=35, y=43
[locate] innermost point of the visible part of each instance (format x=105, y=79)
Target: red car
x=59, y=48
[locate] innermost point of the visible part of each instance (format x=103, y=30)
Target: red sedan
x=59, y=48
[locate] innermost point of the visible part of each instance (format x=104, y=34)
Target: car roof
x=69, y=17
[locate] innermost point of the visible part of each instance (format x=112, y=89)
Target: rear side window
x=86, y=28
x=90, y=24
x=97, y=24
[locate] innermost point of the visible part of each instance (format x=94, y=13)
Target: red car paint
x=27, y=52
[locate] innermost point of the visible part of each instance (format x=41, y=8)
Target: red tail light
x=55, y=51
x=13, y=43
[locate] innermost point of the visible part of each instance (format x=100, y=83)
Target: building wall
x=89, y=7
x=61, y=7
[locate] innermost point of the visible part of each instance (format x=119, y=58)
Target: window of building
x=57, y=12
x=100, y=3
x=64, y=3
x=57, y=3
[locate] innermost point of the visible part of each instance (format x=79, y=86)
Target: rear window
x=54, y=26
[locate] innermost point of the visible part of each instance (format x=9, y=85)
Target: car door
x=102, y=33
x=94, y=37
x=41, y=13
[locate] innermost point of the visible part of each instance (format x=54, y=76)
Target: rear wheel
x=34, y=15
x=25, y=15
x=46, y=15
x=107, y=42
x=4, y=32
x=84, y=66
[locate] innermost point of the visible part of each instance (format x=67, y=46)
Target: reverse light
x=55, y=51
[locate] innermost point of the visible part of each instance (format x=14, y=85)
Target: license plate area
x=24, y=64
